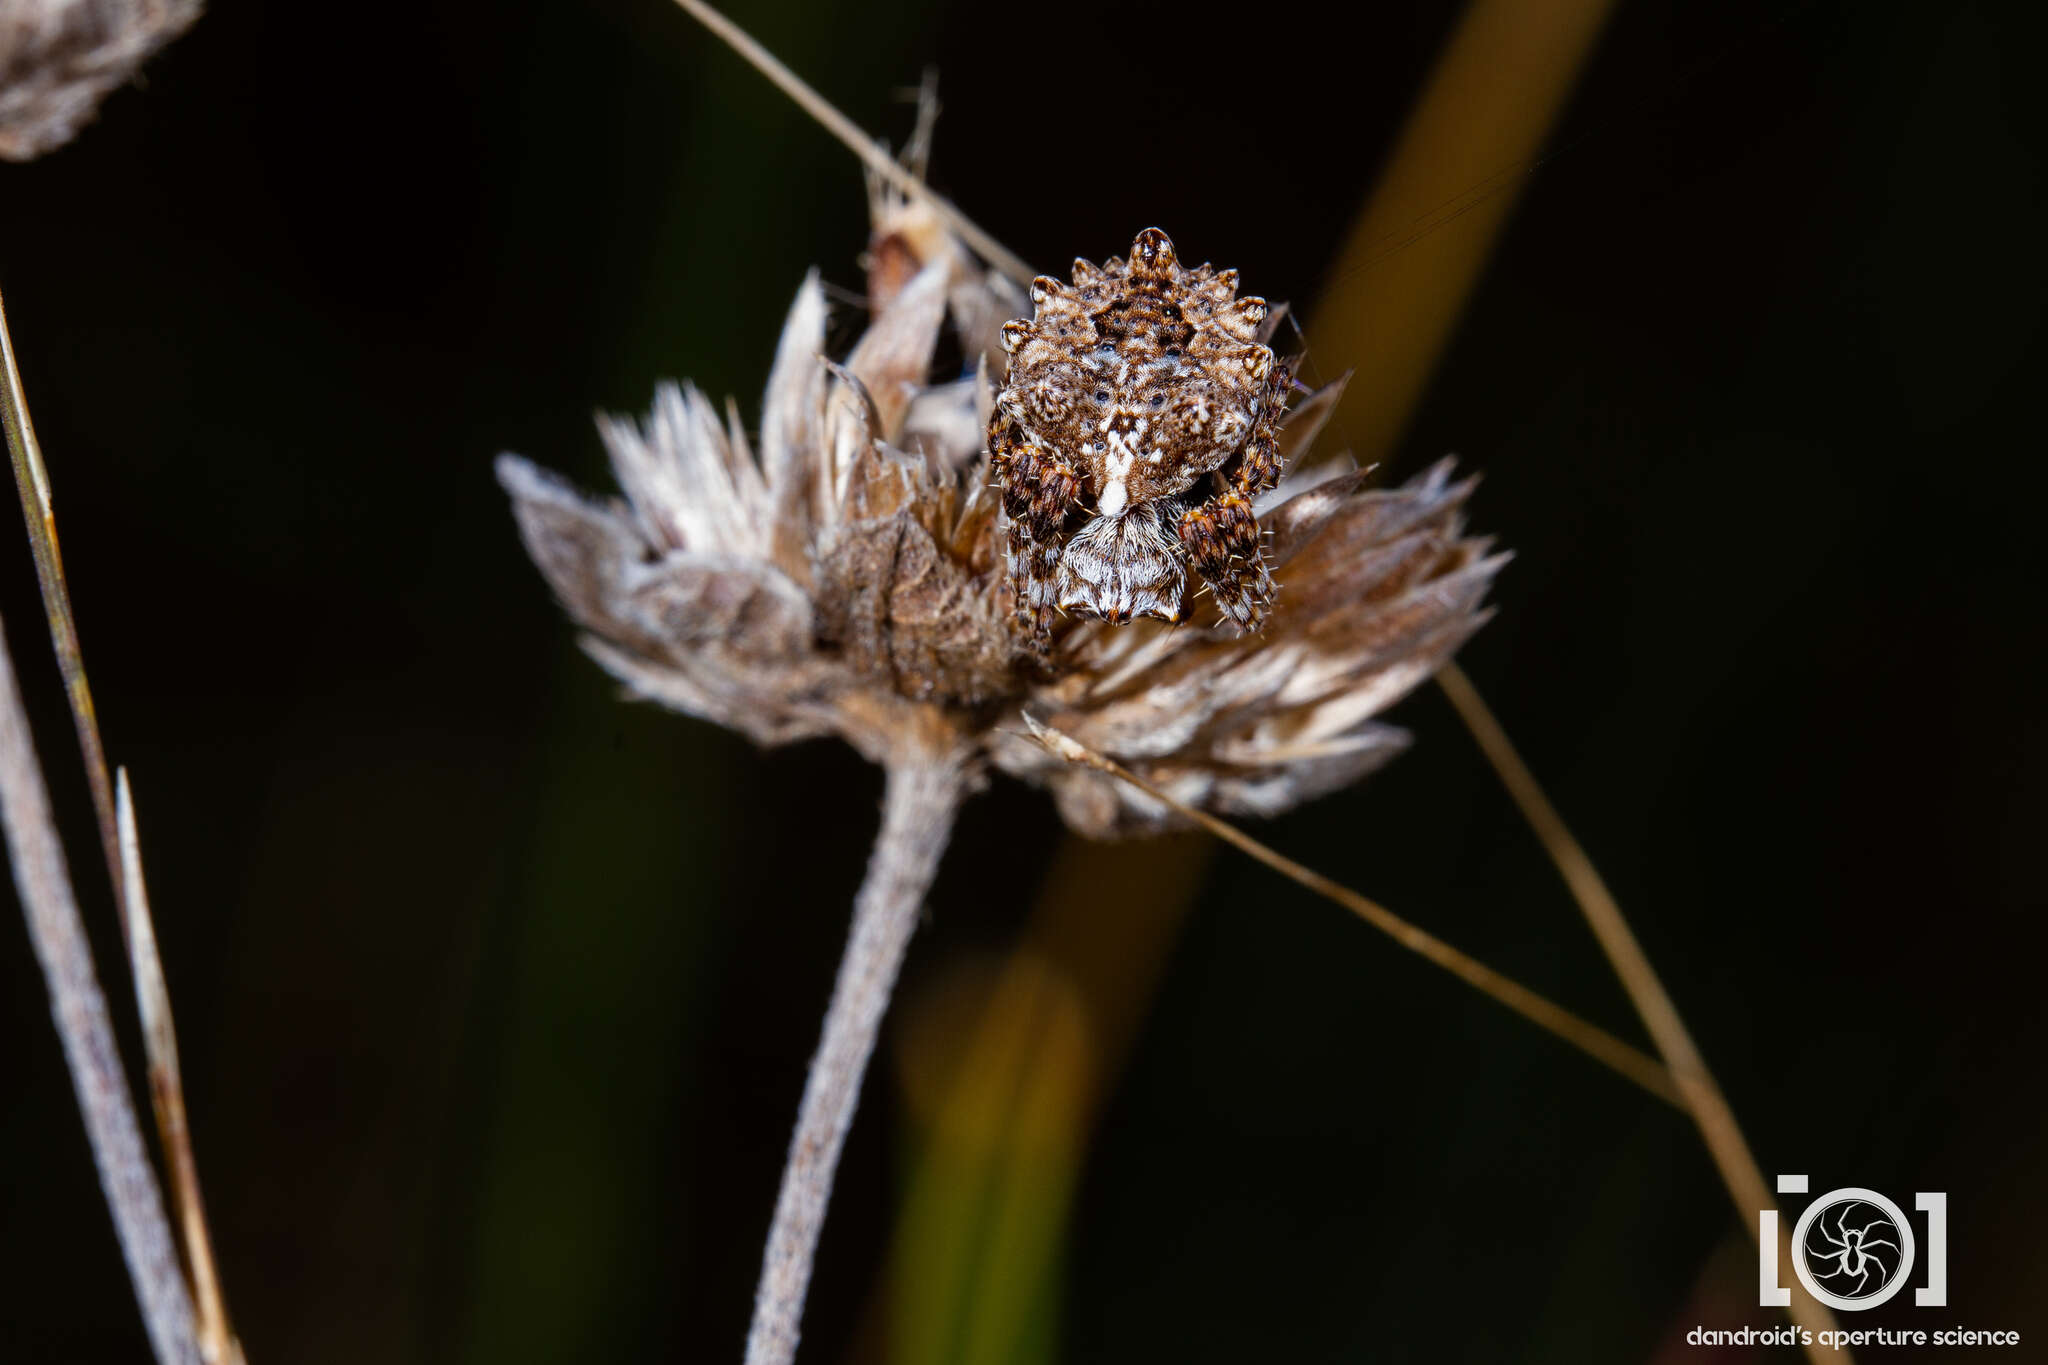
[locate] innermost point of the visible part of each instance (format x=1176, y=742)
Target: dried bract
x=837, y=583
x=852, y=578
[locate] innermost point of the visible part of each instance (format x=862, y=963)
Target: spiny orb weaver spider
x=1145, y=389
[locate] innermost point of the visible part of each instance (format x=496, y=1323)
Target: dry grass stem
x=871, y=153
x=80, y=1011
x=1594, y=1041
x=923, y=795
x=124, y=866
x=167, y=1091
x=32, y=481
x=1702, y=1095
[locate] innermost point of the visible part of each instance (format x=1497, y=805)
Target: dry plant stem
x=1702, y=1095
x=1594, y=1041
x=924, y=792
x=32, y=481
x=167, y=1090
x=124, y=869
x=871, y=153
x=80, y=1011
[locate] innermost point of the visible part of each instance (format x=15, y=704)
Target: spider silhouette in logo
x=1856, y=1252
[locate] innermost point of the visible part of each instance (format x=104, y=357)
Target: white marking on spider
x=1115, y=497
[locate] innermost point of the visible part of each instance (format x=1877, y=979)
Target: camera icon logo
x=1854, y=1248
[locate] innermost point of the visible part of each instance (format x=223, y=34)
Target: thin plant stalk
x=167, y=1090
x=923, y=795
x=32, y=482
x=1703, y=1097
x=80, y=1011
x=123, y=859
x=1590, y=1039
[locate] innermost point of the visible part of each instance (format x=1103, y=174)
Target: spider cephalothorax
x=1139, y=420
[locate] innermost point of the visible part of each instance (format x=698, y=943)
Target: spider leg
x=1259, y=469
x=1221, y=538
x=1822, y=1223
x=1039, y=490
x=1221, y=534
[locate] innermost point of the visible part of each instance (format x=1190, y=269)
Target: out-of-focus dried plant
x=60, y=58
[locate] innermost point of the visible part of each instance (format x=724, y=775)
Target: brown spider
x=1139, y=420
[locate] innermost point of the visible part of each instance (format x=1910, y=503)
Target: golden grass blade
x=871, y=153
x=998, y=1071
x=32, y=481
x=1703, y=1097
x=167, y=1092
x=1441, y=202
x=1594, y=1041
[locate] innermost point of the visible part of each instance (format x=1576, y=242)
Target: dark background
x=496, y=994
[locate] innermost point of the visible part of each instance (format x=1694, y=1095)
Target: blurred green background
x=496, y=994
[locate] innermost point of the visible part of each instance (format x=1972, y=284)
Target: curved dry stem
x=923, y=795
x=80, y=1011
x=1703, y=1097
x=1590, y=1039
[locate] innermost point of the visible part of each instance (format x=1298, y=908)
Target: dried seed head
x=859, y=574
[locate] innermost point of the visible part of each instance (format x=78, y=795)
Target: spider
x=1853, y=1254
x=1138, y=422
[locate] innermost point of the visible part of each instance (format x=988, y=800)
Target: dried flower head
x=852, y=578
x=1140, y=420
x=60, y=58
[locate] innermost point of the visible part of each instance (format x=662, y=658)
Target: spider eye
x=1102, y=395
x=1158, y=400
